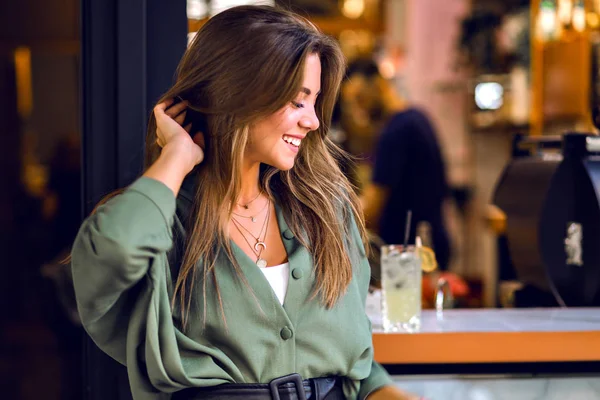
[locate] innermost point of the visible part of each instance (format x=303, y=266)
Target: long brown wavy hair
x=245, y=64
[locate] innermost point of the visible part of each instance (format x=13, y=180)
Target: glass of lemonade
x=400, y=288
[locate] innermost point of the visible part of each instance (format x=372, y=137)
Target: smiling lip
x=295, y=136
x=291, y=146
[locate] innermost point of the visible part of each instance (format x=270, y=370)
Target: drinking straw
x=407, y=229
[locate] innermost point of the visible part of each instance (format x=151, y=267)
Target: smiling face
x=276, y=139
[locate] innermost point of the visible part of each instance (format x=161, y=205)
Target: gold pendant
x=260, y=243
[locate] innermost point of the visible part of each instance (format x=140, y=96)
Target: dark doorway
x=77, y=82
x=40, y=210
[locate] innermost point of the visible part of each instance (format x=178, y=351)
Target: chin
x=285, y=159
x=282, y=159
x=284, y=165
x=281, y=163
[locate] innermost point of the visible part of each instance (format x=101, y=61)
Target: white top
x=278, y=277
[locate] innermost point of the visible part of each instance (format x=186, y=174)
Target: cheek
x=287, y=121
x=264, y=138
x=266, y=135
x=273, y=128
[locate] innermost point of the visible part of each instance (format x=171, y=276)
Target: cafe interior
x=508, y=307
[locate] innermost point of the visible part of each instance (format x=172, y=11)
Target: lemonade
x=401, y=289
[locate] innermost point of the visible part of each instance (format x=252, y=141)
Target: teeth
x=291, y=140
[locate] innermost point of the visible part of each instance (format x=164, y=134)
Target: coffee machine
x=550, y=193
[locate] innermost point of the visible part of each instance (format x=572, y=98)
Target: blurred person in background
x=407, y=170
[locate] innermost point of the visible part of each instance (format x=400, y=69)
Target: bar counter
x=496, y=354
x=494, y=336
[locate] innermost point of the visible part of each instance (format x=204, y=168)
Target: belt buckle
x=296, y=379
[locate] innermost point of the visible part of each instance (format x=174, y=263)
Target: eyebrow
x=308, y=92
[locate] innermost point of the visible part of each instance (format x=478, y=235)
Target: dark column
x=129, y=53
x=10, y=167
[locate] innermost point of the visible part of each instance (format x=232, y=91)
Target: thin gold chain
x=249, y=245
x=255, y=215
x=261, y=229
x=250, y=202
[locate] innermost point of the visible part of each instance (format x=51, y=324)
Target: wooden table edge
x=486, y=347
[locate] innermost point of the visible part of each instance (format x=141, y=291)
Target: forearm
x=392, y=393
x=168, y=169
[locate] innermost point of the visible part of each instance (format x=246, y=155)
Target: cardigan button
x=297, y=273
x=286, y=333
x=288, y=234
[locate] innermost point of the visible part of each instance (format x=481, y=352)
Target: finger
x=188, y=127
x=161, y=107
x=175, y=110
x=180, y=118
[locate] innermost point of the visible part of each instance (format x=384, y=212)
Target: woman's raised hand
x=172, y=135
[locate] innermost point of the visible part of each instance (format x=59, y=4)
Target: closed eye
x=297, y=105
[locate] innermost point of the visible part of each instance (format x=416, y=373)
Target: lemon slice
x=428, y=261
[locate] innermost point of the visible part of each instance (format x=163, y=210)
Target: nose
x=310, y=120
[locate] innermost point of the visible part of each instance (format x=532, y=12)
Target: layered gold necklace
x=259, y=244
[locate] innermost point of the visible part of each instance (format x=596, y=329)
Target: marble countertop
x=510, y=320
x=494, y=335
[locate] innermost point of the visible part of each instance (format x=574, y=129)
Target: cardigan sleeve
x=112, y=252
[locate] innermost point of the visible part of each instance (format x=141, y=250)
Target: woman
x=252, y=268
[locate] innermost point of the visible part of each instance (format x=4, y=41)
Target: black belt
x=289, y=387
